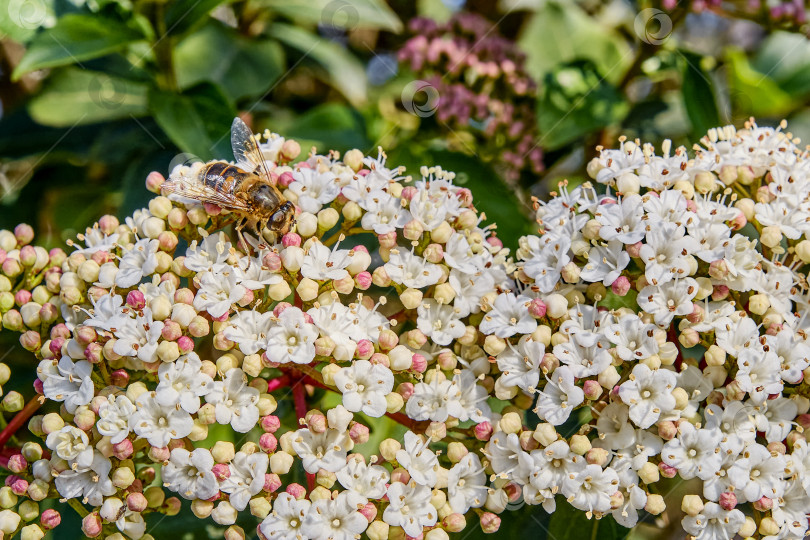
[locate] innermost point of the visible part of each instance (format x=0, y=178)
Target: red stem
x=300, y=399
x=19, y=419
x=672, y=335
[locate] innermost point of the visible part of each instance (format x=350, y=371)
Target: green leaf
x=568, y=523
x=339, y=13
x=241, y=67
x=198, y=121
x=341, y=69
x=76, y=38
x=74, y=96
x=752, y=92
x=576, y=100
x=329, y=127
x=22, y=19
x=785, y=57
x=698, y=96
x=184, y=15
x=560, y=32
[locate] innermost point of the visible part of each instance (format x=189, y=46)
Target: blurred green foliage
x=96, y=94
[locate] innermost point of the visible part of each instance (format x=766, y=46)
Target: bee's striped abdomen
x=223, y=177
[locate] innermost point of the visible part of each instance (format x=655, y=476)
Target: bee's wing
x=246, y=150
x=184, y=190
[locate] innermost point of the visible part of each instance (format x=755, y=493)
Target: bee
x=244, y=188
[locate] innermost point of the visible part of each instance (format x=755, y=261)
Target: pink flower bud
x=358, y=433
x=667, y=471
x=24, y=234
x=153, y=181
x=405, y=390
x=408, y=193
x=324, y=346
x=85, y=335
x=763, y=505
x=620, y=286
x=136, y=299
x=369, y=511
x=513, y=491
x=297, y=490
x=123, y=449
x=271, y=482
x=60, y=331
x=94, y=353
x=537, y=308
x=592, y=389
x=184, y=296
x=246, y=299
x=454, y=522
x=667, y=430
x=30, y=340
x=17, y=464
x=387, y=240
x=317, y=423
x=697, y=314
x=490, y=523
x=285, y=179
x=137, y=502
x=28, y=256
x=388, y=340
x=483, y=431
x=212, y=209
x=91, y=525
x=268, y=442
x=363, y=280
x=365, y=349
x=280, y=307
x=222, y=471
x=719, y=269
x=50, y=519
x=12, y=267
x=720, y=292
x=185, y=344
x=19, y=486
x=634, y=250
x=418, y=363
x=272, y=262
x=48, y=313
x=171, y=330
x=290, y=239
x=22, y=297
x=381, y=359
x=171, y=506
x=38, y=387
x=728, y=500
x=270, y=423
x=55, y=345
x=157, y=454
x=400, y=475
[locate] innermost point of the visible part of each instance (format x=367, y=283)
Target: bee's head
x=282, y=219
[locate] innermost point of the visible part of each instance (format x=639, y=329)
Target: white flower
x=649, y=394
x=325, y=450
x=614, y=429
x=158, y=424
x=469, y=289
x=634, y=340
x=714, y=523
x=314, y=189
x=664, y=302
x=138, y=337
x=322, y=263
x=469, y=402
x=67, y=381
x=136, y=263
x=234, y=401
x=218, y=291
x=251, y=274
x=759, y=373
x=113, y=418
x=213, y=250
x=335, y=321
x=91, y=483
x=292, y=339
x=411, y=270
x=509, y=316
x=248, y=329
x=439, y=322
x=107, y=313
x=429, y=401
x=189, y=474
x=95, y=241
x=775, y=417
x=550, y=467
x=546, y=261
x=246, y=479
x=622, y=220
x=590, y=489
x=284, y=522
x=559, y=397
x=605, y=263
x=584, y=361
x=665, y=253
x=420, y=462
x=694, y=452
x=459, y=255
x=466, y=484
x=364, y=386
x=384, y=213
x=735, y=421
x=182, y=382
x=520, y=366
x=71, y=444
x=336, y=519
x=409, y=507
x=368, y=481
x=756, y=474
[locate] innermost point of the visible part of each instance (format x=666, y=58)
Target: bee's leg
x=260, y=226
x=240, y=224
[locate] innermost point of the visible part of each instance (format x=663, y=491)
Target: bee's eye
x=279, y=217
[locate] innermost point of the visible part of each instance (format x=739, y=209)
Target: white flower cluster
x=660, y=316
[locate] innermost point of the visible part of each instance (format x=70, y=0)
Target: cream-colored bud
x=35, y=532
x=749, y=528
x=771, y=236
x=389, y=449
x=327, y=218
x=161, y=308
x=494, y=345
x=252, y=365
x=715, y=356
x=628, y=183
x=267, y=404
x=705, y=182
x=307, y=289
x=545, y=434
x=685, y=187
x=89, y=270
x=511, y=422
x=394, y=402
x=281, y=463
x=328, y=373
x=556, y=305
x=705, y=288
x=442, y=233
x=746, y=206
x=401, y=358
x=378, y=530
x=199, y=431
x=260, y=507
x=201, y=509
x=542, y=334
x=306, y=224
x=681, y=398
x=223, y=451
x=668, y=352
x=580, y=444
x=649, y=473
x=292, y=257
x=591, y=229
x=444, y=293
x=692, y=505
x=497, y=499
x=279, y=291
x=758, y=304
x=609, y=377
x=655, y=504
x=224, y=513
x=411, y=298
x=768, y=527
